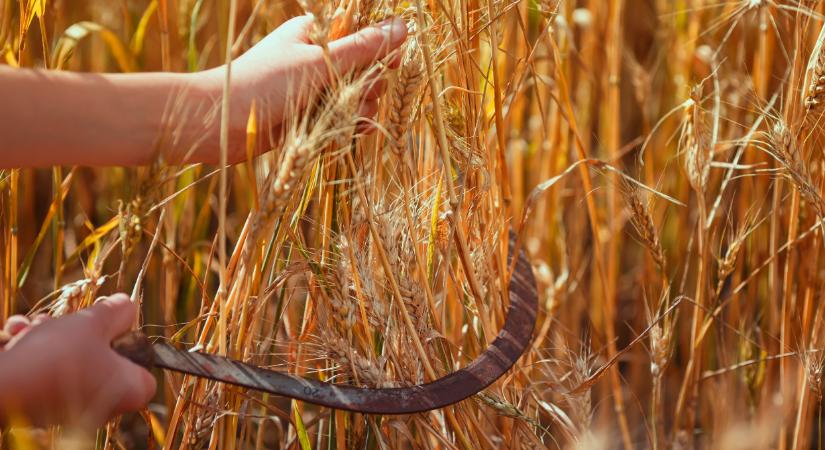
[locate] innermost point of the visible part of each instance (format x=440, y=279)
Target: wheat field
x=660, y=161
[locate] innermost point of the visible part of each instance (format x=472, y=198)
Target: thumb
x=295, y=29
x=113, y=315
x=362, y=48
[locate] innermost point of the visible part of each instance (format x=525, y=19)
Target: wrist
x=202, y=102
x=212, y=82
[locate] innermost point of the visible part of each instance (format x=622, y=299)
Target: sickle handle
x=135, y=346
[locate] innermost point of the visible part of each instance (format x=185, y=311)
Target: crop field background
x=661, y=162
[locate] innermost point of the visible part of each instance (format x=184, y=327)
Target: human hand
x=285, y=69
x=64, y=371
x=16, y=326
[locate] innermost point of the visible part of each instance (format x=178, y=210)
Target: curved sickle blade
x=508, y=346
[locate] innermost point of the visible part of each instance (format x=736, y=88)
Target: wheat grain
x=72, y=295
x=642, y=221
x=335, y=123
x=660, y=349
x=698, y=154
x=369, y=373
x=727, y=263
x=815, y=90
x=368, y=12
x=404, y=97
x=787, y=153
x=322, y=22
x=814, y=364
x=465, y=155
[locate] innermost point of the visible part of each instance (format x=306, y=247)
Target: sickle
x=508, y=346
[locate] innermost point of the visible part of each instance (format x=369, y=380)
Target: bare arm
x=59, y=118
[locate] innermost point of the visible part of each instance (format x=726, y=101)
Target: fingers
x=138, y=386
x=113, y=315
x=362, y=48
x=375, y=89
x=40, y=318
x=368, y=109
x=367, y=112
x=129, y=387
x=16, y=324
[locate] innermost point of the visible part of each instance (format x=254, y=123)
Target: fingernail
x=15, y=324
x=394, y=28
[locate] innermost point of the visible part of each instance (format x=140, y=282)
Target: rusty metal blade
x=508, y=346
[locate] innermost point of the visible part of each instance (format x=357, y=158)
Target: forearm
x=60, y=118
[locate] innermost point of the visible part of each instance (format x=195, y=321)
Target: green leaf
x=303, y=438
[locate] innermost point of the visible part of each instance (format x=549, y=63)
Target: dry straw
x=381, y=260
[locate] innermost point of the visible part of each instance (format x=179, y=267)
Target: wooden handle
x=135, y=346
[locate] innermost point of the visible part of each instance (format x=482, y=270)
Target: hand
x=285, y=69
x=16, y=327
x=64, y=371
